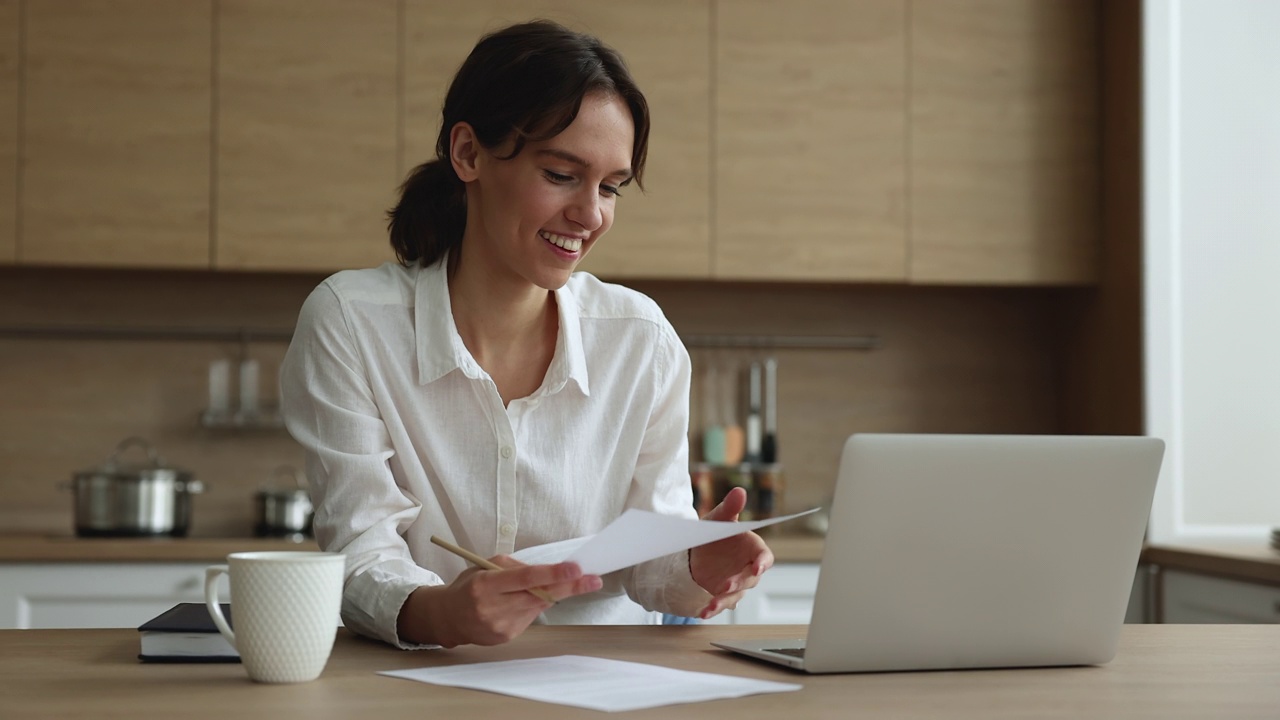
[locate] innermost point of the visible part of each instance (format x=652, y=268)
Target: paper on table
x=637, y=536
x=593, y=683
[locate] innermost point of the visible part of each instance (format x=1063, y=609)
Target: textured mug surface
x=286, y=607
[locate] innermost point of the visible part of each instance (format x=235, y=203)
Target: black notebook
x=186, y=633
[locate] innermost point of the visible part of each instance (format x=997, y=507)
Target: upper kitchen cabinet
x=810, y=151
x=8, y=131
x=116, y=132
x=660, y=232
x=306, y=140
x=1004, y=141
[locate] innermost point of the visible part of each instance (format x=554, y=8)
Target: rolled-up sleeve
x=661, y=484
x=360, y=510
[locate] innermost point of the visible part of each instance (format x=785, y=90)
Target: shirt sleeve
x=360, y=510
x=661, y=484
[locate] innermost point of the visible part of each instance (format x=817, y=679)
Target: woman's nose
x=585, y=211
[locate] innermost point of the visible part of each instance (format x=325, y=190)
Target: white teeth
x=570, y=244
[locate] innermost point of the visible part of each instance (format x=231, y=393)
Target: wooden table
x=1161, y=671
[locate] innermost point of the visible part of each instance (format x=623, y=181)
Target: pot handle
x=135, y=441
x=298, y=479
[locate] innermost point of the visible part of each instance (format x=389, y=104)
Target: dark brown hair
x=526, y=83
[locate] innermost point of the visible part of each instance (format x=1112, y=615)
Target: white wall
x=1212, y=253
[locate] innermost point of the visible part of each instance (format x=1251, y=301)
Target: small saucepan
x=284, y=511
x=134, y=499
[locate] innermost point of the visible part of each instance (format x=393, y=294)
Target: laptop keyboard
x=793, y=652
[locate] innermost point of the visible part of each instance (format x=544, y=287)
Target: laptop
x=975, y=551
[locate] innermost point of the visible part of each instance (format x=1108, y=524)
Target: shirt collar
x=441, y=350
x=569, y=344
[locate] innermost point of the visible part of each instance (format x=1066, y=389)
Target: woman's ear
x=464, y=151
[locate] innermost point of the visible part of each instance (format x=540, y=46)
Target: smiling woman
x=483, y=391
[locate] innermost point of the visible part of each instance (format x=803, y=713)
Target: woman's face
x=533, y=218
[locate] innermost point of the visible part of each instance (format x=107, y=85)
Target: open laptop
x=976, y=551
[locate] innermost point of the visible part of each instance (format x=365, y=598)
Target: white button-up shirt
x=406, y=436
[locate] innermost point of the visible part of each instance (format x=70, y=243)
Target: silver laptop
x=976, y=551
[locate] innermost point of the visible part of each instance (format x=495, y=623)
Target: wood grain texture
x=115, y=156
x=663, y=231
x=9, y=116
x=1160, y=671
x=951, y=360
x=1249, y=561
x=306, y=133
x=810, y=140
x=1102, y=334
x=1004, y=141
x=67, y=548
x=957, y=359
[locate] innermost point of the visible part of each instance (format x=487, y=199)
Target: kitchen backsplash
x=948, y=360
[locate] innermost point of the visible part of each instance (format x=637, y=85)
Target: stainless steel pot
x=122, y=499
x=284, y=512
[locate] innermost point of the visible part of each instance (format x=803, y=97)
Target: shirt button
x=507, y=529
x=506, y=451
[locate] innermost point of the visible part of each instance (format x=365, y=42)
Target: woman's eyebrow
x=571, y=158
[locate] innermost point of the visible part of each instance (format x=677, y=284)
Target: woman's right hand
x=488, y=607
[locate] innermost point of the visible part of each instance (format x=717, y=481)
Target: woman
x=481, y=391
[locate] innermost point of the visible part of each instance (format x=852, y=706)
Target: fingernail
x=595, y=583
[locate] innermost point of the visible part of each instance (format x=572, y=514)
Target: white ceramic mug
x=286, y=607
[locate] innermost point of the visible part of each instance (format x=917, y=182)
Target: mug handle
x=211, y=574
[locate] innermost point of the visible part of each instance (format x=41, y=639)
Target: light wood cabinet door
x=810, y=150
x=306, y=133
x=1004, y=141
x=116, y=133
x=9, y=20
x=662, y=232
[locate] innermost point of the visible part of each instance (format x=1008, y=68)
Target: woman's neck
x=503, y=319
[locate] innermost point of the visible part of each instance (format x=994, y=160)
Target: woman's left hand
x=729, y=568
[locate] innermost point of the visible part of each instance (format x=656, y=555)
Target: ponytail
x=431, y=215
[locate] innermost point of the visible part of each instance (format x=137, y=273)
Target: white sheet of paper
x=637, y=536
x=593, y=683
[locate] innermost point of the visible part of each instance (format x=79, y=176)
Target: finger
x=763, y=561
x=730, y=507
x=719, y=604
x=739, y=583
x=581, y=586
x=534, y=576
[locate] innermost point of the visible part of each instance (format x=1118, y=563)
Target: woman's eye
x=610, y=190
x=556, y=177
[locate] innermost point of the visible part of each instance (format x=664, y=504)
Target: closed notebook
x=186, y=633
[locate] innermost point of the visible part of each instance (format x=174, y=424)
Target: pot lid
x=117, y=464
x=295, y=487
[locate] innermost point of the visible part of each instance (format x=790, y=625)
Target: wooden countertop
x=1248, y=561
x=68, y=548
x=1160, y=671
x=71, y=549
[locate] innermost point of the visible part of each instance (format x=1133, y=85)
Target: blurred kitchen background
x=927, y=177
x=928, y=212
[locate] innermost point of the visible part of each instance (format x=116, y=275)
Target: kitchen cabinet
x=116, y=131
x=1004, y=147
x=9, y=21
x=306, y=150
x=663, y=231
x=1196, y=598
x=96, y=595
x=810, y=140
